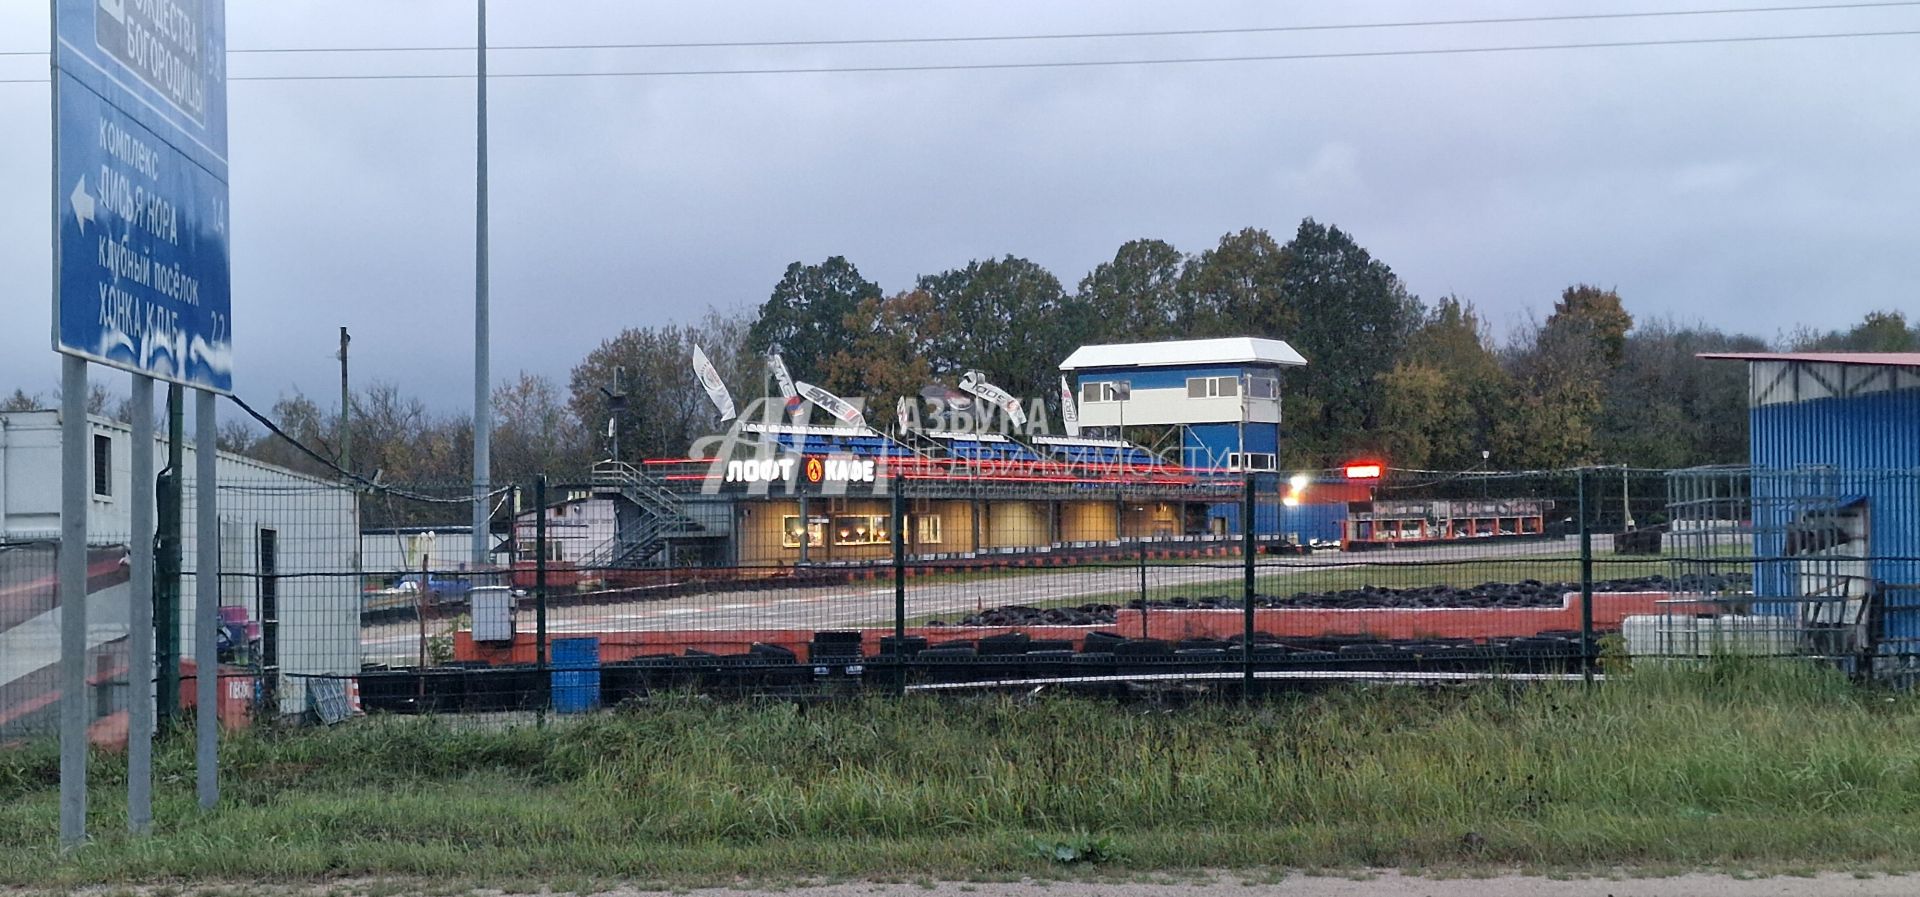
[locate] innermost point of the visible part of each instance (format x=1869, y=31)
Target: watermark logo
x=777, y=444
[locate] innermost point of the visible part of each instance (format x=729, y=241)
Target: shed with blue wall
x=1833, y=431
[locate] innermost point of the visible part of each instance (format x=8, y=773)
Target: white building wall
x=580, y=526
x=1150, y=407
x=389, y=555
x=316, y=523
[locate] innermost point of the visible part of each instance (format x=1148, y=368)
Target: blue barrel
x=576, y=674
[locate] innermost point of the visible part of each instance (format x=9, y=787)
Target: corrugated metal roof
x=1228, y=350
x=1889, y=359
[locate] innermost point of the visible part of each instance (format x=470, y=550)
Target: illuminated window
x=861, y=529
x=926, y=529
x=790, y=532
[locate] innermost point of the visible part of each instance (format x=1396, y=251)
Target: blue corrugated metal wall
x=1872, y=445
x=1207, y=445
x=1308, y=521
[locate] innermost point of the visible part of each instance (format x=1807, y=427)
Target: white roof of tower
x=1227, y=350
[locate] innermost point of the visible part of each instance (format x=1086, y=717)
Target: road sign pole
x=73, y=600
x=166, y=605
x=140, y=614
x=206, y=601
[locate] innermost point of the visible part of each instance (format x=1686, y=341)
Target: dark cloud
x=1753, y=186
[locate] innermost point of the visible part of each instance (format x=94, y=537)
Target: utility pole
x=482, y=378
x=346, y=408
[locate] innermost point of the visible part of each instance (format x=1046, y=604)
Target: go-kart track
x=799, y=640
x=692, y=619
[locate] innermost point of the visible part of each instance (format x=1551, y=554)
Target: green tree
x=1138, y=296
x=1879, y=331
x=666, y=407
x=888, y=355
x=21, y=401
x=807, y=316
x=1562, y=369
x=1441, y=402
x=1351, y=319
x=1667, y=407
x=1008, y=318
x=1236, y=288
x=1599, y=314
x=534, y=432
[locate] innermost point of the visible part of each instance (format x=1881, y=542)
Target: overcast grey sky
x=1752, y=186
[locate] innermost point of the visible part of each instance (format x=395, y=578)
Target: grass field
x=1738, y=765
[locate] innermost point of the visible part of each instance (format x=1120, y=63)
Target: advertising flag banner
x=780, y=376
x=830, y=403
x=710, y=379
x=1069, y=411
x=976, y=383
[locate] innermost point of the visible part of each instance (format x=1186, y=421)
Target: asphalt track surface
x=871, y=603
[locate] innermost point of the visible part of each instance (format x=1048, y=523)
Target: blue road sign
x=142, y=270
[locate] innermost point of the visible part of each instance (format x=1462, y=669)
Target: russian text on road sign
x=142, y=268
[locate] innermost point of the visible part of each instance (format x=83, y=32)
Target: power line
x=1079, y=63
x=1084, y=35
x=324, y=461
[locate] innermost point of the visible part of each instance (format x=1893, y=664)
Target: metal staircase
x=663, y=517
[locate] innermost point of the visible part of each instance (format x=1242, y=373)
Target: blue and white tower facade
x=1222, y=394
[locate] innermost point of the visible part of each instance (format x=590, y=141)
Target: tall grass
x=1727, y=763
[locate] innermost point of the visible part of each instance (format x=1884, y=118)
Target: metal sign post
x=74, y=706
x=140, y=615
x=142, y=282
x=206, y=603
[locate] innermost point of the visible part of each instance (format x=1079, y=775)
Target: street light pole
x=482, y=410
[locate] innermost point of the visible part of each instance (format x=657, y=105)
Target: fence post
x=1247, y=549
x=540, y=590
x=421, y=598
x=899, y=581
x=1586, y=584
x=1143, y=590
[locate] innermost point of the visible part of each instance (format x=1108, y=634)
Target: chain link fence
x=614, y=584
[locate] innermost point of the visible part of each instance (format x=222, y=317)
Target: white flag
x=976, y=383
x=780, y=375
x=1069, y=410
x=830, y=403
x=710, y=378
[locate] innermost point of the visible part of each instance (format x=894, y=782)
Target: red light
x=1367, y=471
